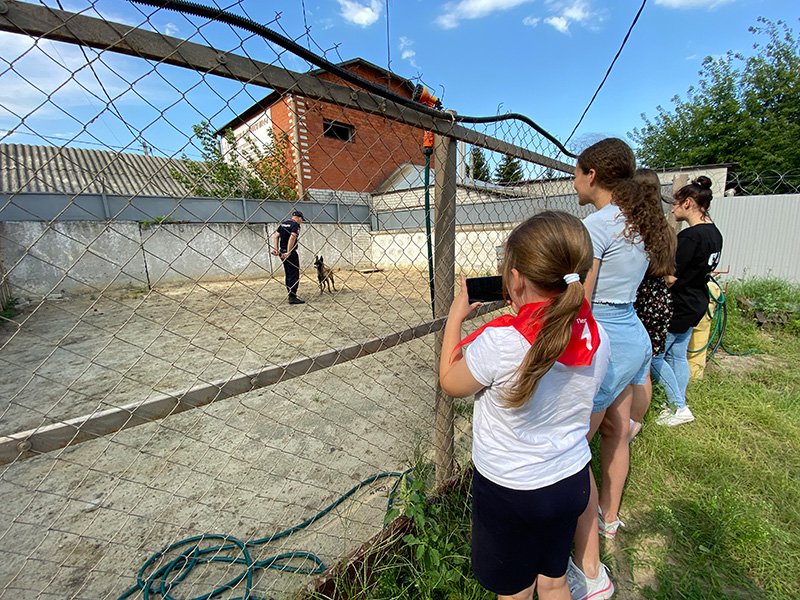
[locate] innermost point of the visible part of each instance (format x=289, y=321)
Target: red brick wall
x=379, y=146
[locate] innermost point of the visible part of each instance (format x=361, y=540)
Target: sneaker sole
x=675, y=423
x=604, y=594
x=607, y=534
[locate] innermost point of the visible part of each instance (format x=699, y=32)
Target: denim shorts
x=630, y=351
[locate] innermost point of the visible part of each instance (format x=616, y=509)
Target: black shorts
x=520, y=534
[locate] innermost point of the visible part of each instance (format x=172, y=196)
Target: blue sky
x=543, y=58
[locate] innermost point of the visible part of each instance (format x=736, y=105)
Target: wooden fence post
x=444, y=152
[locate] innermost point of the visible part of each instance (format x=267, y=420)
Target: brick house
x=332, y=148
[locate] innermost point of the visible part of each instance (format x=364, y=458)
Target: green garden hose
x=163, y=581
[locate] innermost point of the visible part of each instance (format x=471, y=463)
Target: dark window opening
x=338, y=131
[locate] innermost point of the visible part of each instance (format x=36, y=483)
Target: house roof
x=52, y=169
x=273, y=97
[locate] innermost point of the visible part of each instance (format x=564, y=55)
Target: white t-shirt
x=543, y=441
x=623, y=263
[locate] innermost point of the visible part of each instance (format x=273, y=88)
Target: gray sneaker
x=582, y=587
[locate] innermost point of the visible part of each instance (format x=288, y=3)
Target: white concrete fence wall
x=89, y=256
x=760, y=235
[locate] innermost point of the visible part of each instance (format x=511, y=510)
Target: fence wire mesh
x=156, y=384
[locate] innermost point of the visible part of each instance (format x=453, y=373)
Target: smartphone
x=485, y=289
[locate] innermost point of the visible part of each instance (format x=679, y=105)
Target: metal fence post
x=444, y=152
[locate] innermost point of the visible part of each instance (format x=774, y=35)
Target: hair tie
x=571, y=278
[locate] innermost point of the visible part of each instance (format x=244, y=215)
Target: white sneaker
x=582, y=587
x=608, y=530
x=679, y=417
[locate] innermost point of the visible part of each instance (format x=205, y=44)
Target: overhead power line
x=611, y=66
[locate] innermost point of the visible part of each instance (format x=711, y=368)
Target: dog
x=324, y=275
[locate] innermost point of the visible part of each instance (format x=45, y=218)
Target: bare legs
x=587, y=540
x=642, y=395
x=550, y=588
x=613, y=424
x=615, y=453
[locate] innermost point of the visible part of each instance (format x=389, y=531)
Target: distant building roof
x=273, y=97
x=52, y=169
x=409, y=176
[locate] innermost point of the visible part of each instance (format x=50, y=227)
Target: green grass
x=712, y=507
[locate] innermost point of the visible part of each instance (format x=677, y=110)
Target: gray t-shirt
x=623, y=262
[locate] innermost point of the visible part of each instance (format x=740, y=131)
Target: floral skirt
x=654, y=307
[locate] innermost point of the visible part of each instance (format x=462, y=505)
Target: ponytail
x=698, y=190
x=549, y=344
x=553, y=251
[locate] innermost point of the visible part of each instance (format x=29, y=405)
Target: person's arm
x=454, y=374
x=291, y=243
x=591, y=280
x=276, y=251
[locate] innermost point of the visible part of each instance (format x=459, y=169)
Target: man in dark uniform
x=284, y=246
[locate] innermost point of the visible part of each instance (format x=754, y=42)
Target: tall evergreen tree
x=508, y=171
x=478, y=168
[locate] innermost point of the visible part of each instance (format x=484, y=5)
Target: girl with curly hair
x=653, y=302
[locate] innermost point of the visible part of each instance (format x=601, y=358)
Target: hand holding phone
x=485, y=289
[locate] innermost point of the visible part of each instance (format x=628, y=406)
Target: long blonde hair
x=544, y=249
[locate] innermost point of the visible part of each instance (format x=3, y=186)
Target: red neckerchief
x=528, y=321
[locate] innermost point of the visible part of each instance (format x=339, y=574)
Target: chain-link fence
x=164, y=406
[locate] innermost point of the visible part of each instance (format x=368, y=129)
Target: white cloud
x=692, y=3
x=171, y=29
x=558, y=23
x=361, y=14
x=568, y=12
x=531, y=21
x=406, y=52
x=462, y=10
x=47, y=74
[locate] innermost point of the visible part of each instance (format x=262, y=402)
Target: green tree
x=249, y=171
x=508, y=171
x=479, y=168
x=744, y=110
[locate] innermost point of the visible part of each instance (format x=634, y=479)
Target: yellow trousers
x=699, y=339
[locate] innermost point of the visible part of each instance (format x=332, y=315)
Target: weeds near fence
x=770, y=302
x=9, y=311
x=432, y=560
x=158, y=220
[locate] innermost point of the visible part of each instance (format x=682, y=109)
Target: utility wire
x=388, y=41
x=305, y=24
x=611, y=66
